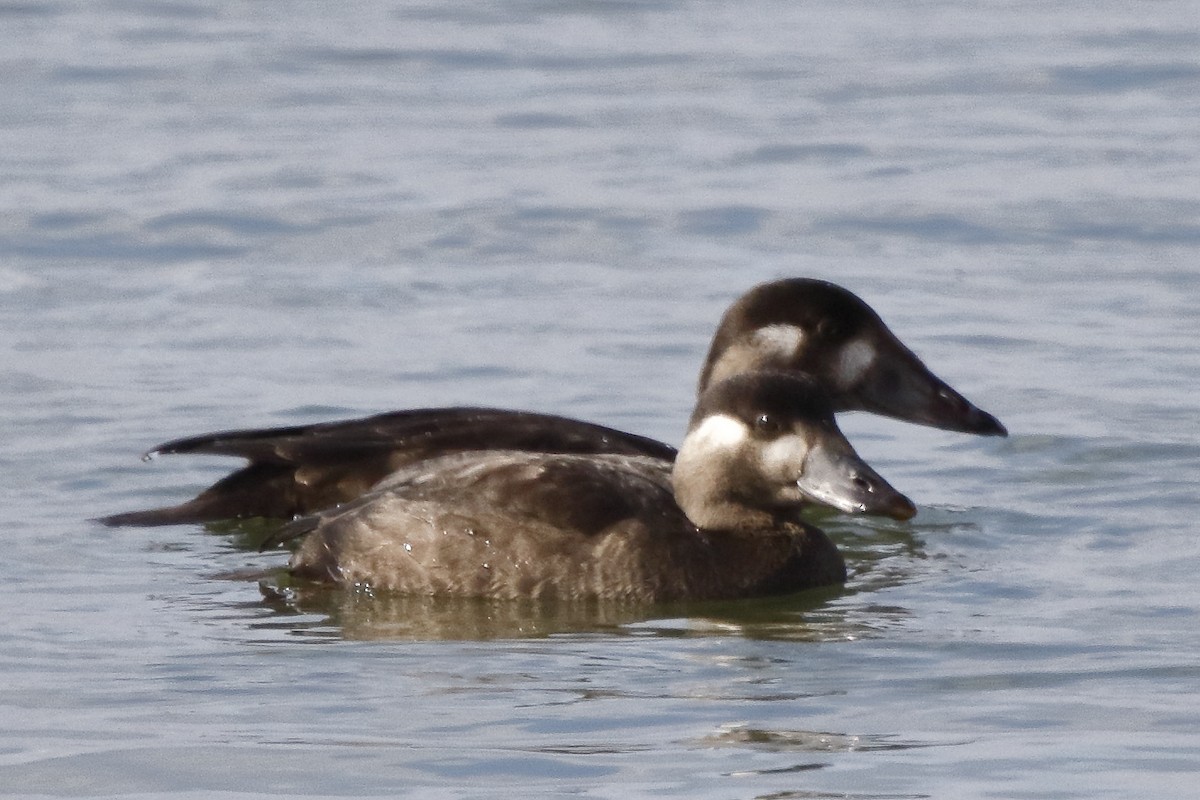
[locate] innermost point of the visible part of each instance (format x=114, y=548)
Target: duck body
x=511, y=524
x=720, y=521
x=798, y=325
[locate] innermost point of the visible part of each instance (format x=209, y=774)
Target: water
x=220, y=215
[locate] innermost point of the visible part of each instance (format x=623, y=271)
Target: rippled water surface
x=223, y=215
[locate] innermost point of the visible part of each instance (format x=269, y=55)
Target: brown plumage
x=721, y=522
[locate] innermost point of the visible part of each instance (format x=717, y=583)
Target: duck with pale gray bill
x=721, y=521
x=798, y=325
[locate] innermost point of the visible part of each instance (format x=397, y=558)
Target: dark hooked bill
x=899, y=385
x=837, y=477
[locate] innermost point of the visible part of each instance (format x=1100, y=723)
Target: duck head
x=827, y=332
x=762, y=445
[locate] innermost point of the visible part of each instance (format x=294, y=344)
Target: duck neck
x=711, y=501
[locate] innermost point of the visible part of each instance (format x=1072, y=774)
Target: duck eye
x=828, y=328
x=767, y=424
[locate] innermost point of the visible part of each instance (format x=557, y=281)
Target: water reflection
x=739, y=735
x=360, y=614
x=779, y=741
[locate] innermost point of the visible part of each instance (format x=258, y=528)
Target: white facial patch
x=785, y=456
x=853, y=362
x=718, y=432
x=781, y=341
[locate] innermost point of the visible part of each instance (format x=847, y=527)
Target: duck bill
x=836, y=476
x=899, y=385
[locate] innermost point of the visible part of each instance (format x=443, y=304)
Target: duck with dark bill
x=721, y=521
x=797, y=325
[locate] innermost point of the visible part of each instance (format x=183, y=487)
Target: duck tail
x=182, y=514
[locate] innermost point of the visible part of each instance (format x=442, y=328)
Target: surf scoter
x=799, y=324
x=721, y=521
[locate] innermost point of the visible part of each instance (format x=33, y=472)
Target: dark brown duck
x=799, y=325
x=720, y=521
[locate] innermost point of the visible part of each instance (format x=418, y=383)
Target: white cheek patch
x=785, y=456
x=780, y=341
x=718, y=432
x=853, y=362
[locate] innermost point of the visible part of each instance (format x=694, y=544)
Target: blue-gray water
x=227, y=214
